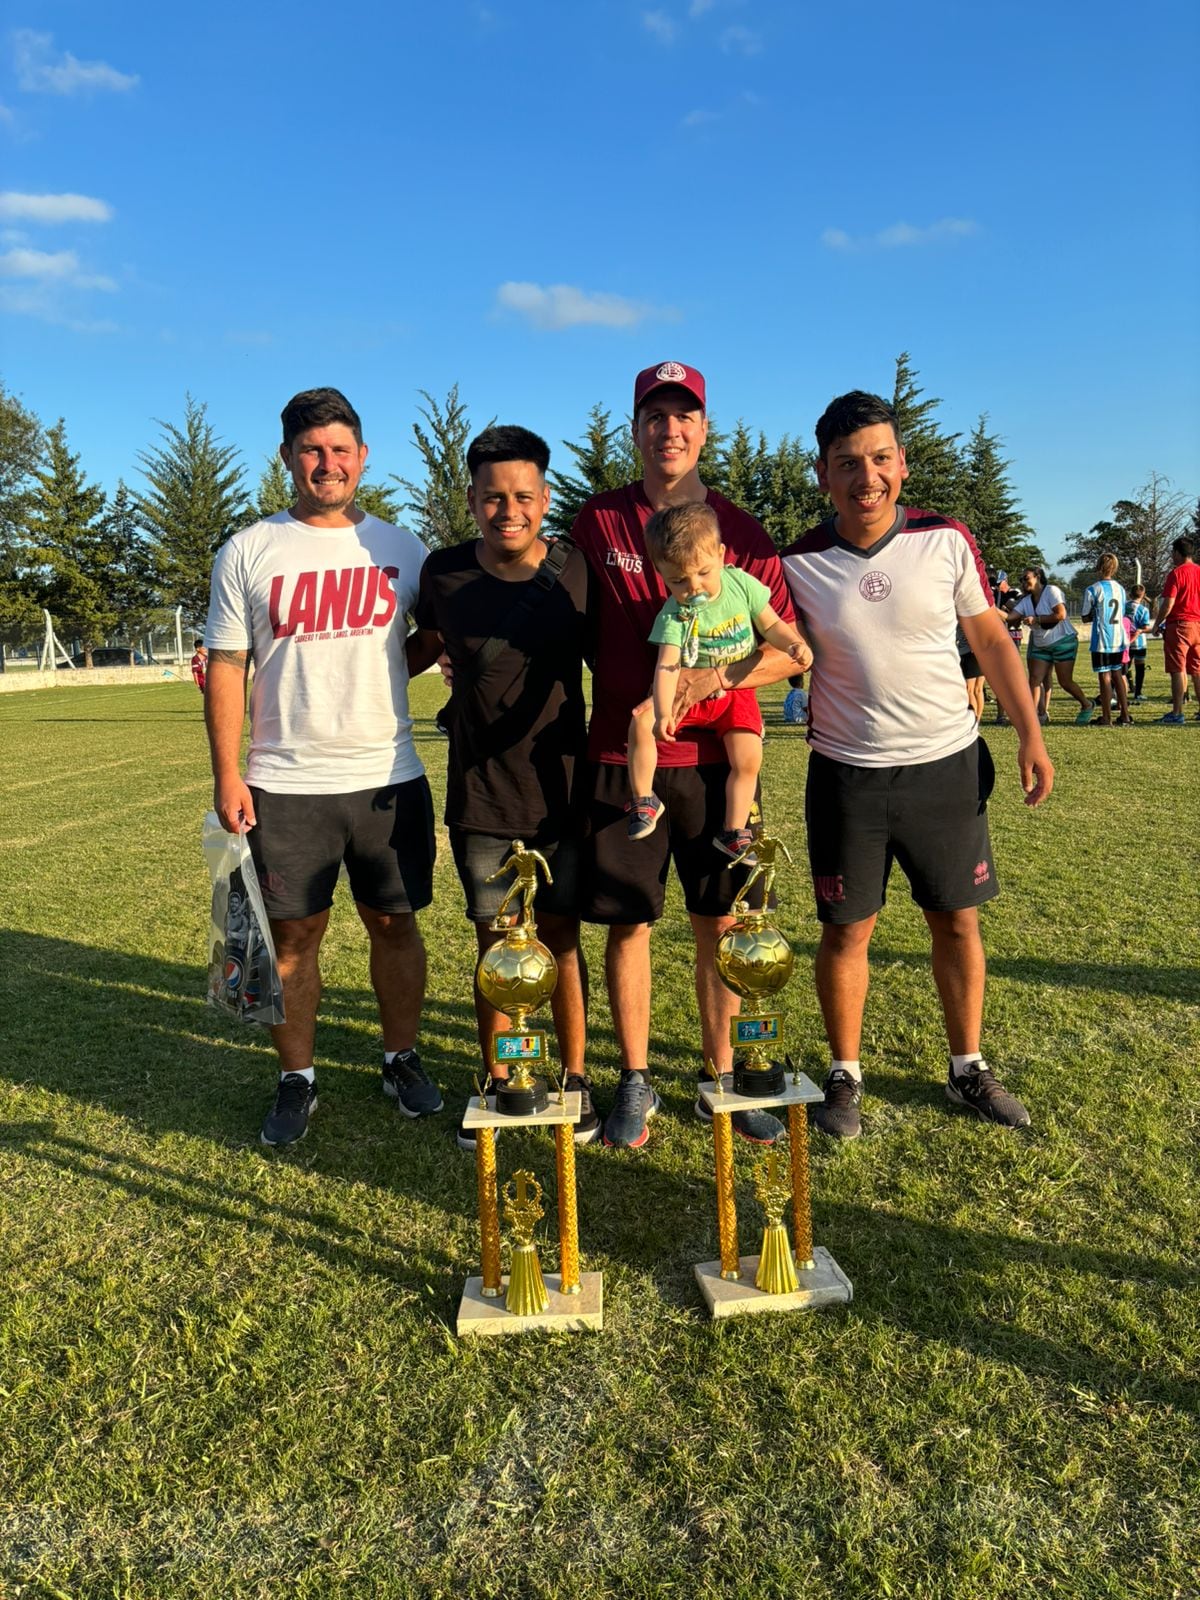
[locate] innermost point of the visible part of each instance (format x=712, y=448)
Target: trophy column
x=755, y=960
x=517, y=975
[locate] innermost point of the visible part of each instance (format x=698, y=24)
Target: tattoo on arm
x=229, y=658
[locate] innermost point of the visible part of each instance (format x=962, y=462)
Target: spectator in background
x=200, y=666
x=1104, y=606
x=1138, y=612
x=1053, y=642
x=795, y=702
x=972, y=676
x=1178, y=622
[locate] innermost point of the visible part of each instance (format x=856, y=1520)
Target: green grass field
x=230, y=1372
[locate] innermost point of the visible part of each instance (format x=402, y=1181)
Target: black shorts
x=1107, y=660
x=931, y=818
x=478, y=855
x=625, y=880
x=385, y=837
x=969, y=666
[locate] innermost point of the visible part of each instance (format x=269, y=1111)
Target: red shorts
x=1181, y=646
x=734, y=712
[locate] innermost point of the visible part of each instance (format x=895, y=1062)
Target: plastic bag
x=243, y=974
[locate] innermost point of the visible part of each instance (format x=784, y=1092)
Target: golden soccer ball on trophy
x=518, y=974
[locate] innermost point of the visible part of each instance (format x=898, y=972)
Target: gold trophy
x=527, y=1295
x=755, y=960
x=517, y=975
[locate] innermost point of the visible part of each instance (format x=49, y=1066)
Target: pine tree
x=934, y=467
x=275, y=491
x=377, y=500
x=606, y=459
x=990, y=508
x=69, y=549
x=21, y=445
x=195, y=501
x=131, y=585
x=439, y=509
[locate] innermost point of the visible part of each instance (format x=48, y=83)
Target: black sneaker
x=838, y=1116
x=410, y=1086
x=295, y=1102
x=633, y=1106
x=466, y=1136
x=980, y=1091
x=756, y=1127
x=589, y=1127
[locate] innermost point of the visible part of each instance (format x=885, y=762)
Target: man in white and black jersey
x=897, y=770
x=317, y=597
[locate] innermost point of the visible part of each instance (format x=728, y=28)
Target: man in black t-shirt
x=512, y=613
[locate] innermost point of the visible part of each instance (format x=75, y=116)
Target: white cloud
x=20, y=300
x=7, y=116
x=741, y=41
x=660, y=25
x=16, y=207
x=699, y=118
x=560, y=305
x=59, y=266
x=902, y=235
x=40, y=71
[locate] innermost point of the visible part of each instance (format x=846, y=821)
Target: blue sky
x=535, y=200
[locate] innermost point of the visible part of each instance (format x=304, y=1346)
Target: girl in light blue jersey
x=1104, y=605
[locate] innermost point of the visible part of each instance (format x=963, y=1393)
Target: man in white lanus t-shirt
x=317, y=597
x=880, y=589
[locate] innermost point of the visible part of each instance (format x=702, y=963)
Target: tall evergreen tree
x=605, y=459
x=990, y=507
x=438, y=506
x=935, y=479
x=275, y=491
x=377, y=500
x=131, y=582
x=21, y=446
x=69, y=549
x=196, y=498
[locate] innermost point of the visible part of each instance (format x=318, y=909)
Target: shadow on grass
x=1171, y=983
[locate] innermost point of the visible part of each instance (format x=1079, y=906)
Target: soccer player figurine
x=761, y=851
x=525, y=864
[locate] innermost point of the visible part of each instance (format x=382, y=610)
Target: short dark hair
x=507, y=442
x=678, y=532
x=318, y=408
x=850, y=412
x=1184, y=547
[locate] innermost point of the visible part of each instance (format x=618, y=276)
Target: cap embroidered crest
x=671, y=372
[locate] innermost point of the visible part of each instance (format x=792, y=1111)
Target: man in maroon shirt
x=626, y=879
x=1178, y=621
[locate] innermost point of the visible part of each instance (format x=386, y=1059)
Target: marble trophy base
x=551, y=1114
x=567, y=1313
x=804, y=1093
x=823, y=1284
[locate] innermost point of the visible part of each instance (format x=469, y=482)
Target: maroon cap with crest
x=668, y=373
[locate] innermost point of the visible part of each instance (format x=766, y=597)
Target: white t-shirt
x=1043, y=638
x=324, y=611
x=886, y=687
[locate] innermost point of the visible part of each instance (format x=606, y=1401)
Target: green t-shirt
x=722, y=629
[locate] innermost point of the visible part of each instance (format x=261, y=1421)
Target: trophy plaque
x=755, y=960
x=516, y=975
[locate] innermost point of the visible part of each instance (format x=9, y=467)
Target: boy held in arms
x=715, y=616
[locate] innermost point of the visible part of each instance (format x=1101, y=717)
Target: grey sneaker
x=295, y=1102
x=838, y=1116
x=756, y=1127
x=407, y=1083
x=980, y=1091
x=634, y=1103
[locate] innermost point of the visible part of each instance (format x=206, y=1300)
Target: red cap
x=669, y=373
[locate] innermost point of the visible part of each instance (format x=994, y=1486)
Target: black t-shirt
x=518, y=729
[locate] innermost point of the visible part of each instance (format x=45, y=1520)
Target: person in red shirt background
x=1178, y=622
x=625, y=880
x=200, y=666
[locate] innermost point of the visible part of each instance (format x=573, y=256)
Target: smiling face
x=669, y=431
x=863, y=474
x=696, y=575
x=326, y=464
x=508, y=500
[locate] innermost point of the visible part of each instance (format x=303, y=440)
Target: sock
x=854, y=1068
x=390, y=1055
x=308, y=1073
x=959, y=1064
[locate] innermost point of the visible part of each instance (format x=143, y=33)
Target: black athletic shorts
x=1107, y=660
x=625, y=880
x=385, y=837
x=969, y=665
x=478, y=855
x=931, y=818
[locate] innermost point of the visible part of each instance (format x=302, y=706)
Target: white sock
x=959, y=1064
x=301, y=1072
x=854, y=1068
